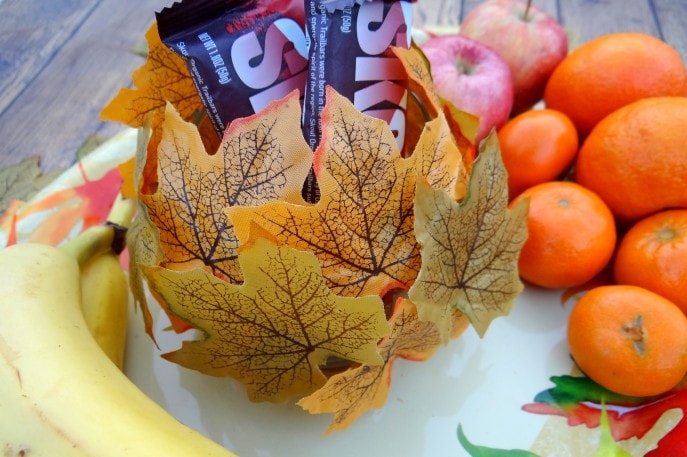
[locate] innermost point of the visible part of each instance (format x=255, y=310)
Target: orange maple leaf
x=352, y=393
x=274, y=331
x=163, y=78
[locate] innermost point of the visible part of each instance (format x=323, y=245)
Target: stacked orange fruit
x=604, y=168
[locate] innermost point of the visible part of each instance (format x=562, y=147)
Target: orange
x=537, y=146
x=629, y=340
x=612, y=71
x=635, y=159
x=653, y=254
x=571, y=235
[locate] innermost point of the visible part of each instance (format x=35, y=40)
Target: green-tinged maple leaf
x=21, y=181
x=143, y=238
x=259, y=159
x=274, y=331
x=361, y=229
x=350, y=394
x=469, y=249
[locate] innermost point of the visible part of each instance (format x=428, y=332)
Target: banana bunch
x=60, y=392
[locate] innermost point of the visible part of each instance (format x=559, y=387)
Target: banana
x=105, y=286
x=60, y=395
x=105, y=304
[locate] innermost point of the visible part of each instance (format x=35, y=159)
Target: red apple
x=471, y=76
x=531, y=42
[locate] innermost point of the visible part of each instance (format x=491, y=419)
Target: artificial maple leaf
x=361, y=228
x=143, y=242
x=425, y=104
x=21, y=181
x=350, y=394
x=469, y=249
x=163, y=78
x=420, y=82
x=580, y=401
x=127, y=170
x=259, y=159
x=440, y=160
x=274, y=331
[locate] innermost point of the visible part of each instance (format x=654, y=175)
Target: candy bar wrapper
x=332, y=5
x=242, y=54
x=349, y=49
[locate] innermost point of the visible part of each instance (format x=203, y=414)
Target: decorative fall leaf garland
x=278, y=286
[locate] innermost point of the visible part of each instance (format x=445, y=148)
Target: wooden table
x=61, y=61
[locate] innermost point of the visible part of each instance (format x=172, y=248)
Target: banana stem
x=102, y=238
x=90, y=243
x=122, y=212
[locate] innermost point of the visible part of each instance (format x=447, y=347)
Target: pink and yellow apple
x=471, y=76
x=531, y=42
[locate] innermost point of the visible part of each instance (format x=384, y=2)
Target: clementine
x=635, y=159
x=629, y=340
x=571, y=235
x=612, y=71
x=537, y=146
x=653, y=254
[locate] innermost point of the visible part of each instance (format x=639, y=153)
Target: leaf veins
x=470, y=249
x=258, y=160
x=163, y=78
x=361, y=229
x=350, y=394
x=275, y=330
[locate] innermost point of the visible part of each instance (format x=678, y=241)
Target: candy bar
x=242, y=54
x=349, y=50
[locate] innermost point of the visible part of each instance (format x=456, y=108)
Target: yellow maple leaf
x=439, y=159
x=361, y=229
x=350, y=394
x=143, y=242
x=258, y=160
x=469, y=249
x=274, y=331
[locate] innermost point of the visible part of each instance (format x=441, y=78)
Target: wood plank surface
x=30, y=37
x=61, y=61
x=671, y=16
x=62, y=93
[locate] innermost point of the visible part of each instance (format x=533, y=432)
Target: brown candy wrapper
x=242, y=54
x=349, y=49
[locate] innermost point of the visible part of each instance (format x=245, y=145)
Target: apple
x=531, y=42
x=471, y=76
